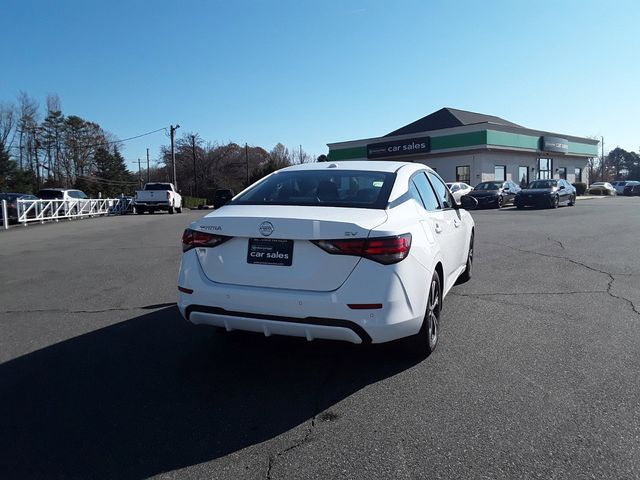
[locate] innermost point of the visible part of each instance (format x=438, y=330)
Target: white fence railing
x=29, y=211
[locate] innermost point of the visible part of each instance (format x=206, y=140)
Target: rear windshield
x=157, y=186
x=326, y=188
x=543, y=184
x=50, y=194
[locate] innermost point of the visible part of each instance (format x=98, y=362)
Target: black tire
x=500, y=201
x=466, y=275
x=171, y=210
x=179, y=210
x=425, y=341
x=554, y=202
x=572, y=201
x=519, y=207
x=151, y=210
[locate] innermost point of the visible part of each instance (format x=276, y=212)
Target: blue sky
x=305, y=72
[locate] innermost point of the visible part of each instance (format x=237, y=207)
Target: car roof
x=364, y=165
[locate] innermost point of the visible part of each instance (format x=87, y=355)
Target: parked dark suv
x=631, y=188
x=222, y=196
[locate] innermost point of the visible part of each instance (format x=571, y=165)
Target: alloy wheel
x=433, y=314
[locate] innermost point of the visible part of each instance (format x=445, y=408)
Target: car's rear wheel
x=554, y=202
x=500, y=201
x=466, y=275
x=425, y=341
x=179, y=209
x=171, y=210
x=572, y=201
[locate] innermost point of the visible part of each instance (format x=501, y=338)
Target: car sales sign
x=410, y=146
x=554, y=144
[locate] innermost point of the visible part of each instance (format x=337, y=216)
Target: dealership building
x=472, y=148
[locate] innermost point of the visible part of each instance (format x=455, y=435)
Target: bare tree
x=7, y=124
x=27, y=124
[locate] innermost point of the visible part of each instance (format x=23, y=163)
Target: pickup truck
x=157, y=196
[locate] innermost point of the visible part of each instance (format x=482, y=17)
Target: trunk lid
x=283, y=230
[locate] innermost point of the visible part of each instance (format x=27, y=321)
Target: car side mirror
x=468, y=202
x=561, y=187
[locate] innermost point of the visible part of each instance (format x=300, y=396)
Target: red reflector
x=185, y=290
x=364, y=306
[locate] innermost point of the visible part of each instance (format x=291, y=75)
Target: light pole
x=172, y=130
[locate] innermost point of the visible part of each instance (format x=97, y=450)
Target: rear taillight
x=195, y=238
x=385, y=250
x=168, y=195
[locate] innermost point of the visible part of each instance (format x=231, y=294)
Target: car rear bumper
x=310, y=314
x=152, y=204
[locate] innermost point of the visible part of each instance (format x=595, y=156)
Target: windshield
x=345, y=188
x=157, y=186
x=543, y=184
x=50, y=194
x=489, y=186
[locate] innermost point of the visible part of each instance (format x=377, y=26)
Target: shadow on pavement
x=155, y=393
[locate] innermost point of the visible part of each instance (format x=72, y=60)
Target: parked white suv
x=357, y=251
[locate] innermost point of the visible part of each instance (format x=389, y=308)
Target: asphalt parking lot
x=535, y=376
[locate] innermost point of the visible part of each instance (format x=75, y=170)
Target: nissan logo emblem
x=266, y=228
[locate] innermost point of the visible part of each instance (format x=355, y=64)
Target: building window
x=545, y=168
x=500, y=173
x=562, y=173
x=523, y=176
x=578, y=175
x=463, y=174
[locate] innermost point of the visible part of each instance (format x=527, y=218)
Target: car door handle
x=457, y=223
x=438, y=228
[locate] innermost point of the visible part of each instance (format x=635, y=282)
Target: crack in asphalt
x=114, y=309
x=515, y=294
x=584, y=265
x=310, y=428
x=556, y=241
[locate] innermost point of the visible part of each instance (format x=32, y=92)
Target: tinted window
x=489, y=186
x=429, y=199
x=50, y=194
x=543, y=184
x=441, y=190
x=157, y=186
x=326, y=187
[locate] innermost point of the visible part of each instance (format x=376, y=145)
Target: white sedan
x=458, y=189
x=357, y=251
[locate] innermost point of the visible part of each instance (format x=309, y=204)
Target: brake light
x=168, y=195
x=195, y=238
x=385, y=250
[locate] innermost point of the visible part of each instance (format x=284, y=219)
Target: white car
x=458, y=189
x=602, y=188
x=357, y=251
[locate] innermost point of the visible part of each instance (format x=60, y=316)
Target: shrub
x=580, y=187
x=193, y=202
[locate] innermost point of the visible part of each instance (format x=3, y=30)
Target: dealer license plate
x=270, y=251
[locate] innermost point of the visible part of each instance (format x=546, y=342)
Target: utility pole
x=172, y=130
x=148, y=171
x=602, y=163
x=246, y=157
x=300, y=153
x=193, y=153
x=139, y=174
